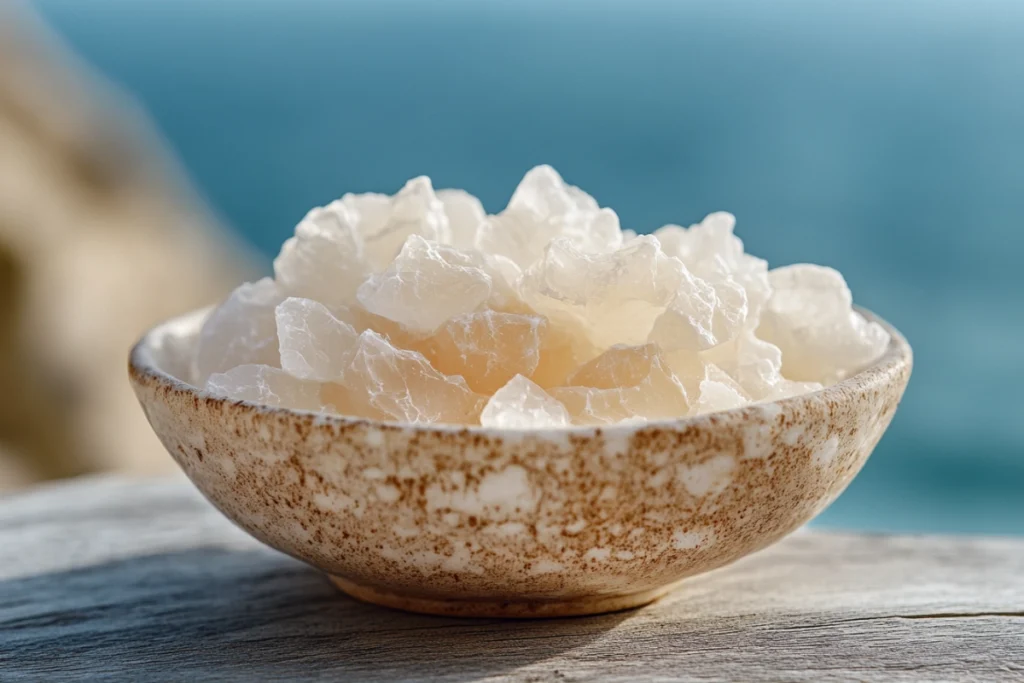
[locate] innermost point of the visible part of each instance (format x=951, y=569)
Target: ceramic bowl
x=485, y=522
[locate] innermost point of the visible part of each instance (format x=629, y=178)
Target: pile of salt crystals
x=422, y=308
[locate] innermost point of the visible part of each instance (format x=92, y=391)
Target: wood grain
x=114, y=579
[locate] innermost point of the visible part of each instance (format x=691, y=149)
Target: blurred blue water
x=883, y=138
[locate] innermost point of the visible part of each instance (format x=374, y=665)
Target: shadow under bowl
x=472, y=521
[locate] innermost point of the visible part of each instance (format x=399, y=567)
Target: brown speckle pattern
x=477, y=521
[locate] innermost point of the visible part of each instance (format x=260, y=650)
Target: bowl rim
x=143, y=366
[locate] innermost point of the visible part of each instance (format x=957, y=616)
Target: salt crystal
x=701, y=315
x=419, y=307
x=566, y=346
x=713, y=253
x=427, y=284
x=396, y=384
x=465, y=214
x=324, y=260
x=314, y=344
x=624, y=383
x=506, y=277
x=787, y=388
x=267, y=386
x=618, y=294
x=487, y=348
x=415, y=210
x=542, y=209
x=241, y=331
x=756, y=365
x=719, y=392
x=810, y=318
x=521, y=404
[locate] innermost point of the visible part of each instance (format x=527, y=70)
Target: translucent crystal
x=810, y=318
x=324, y=260
x=415, y=210
x=701, y=315
x=427, y=284
x=542, y=209
x=465, y=214
x=506, y=277
x=756, y=365
x=619, y=366
x=713, y=253
x=417, y=307
x=395, y=384
x=624, y=383
x=314, y=344
x=719, y=391
x=267, y=386
x=241, y=331
x=788, y=388
x=566, y=346
x=521, y=404
x=371, y=210
x=618, y=294
x=487, y=348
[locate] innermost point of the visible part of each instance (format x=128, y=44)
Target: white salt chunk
x=465, y=214
x=810, y=318
x=267, y=386
x=624, y=383
x=617, y=294
x=542, y=209
x=487, y=348
x=415, y=210
x=701, y=315
x=401, y=385
x=427, y=284
x=713, y=253
x=324, y=260
x=314, y=344
x=419, y=307
x=521, y=404
x=241, y=331
x=719, y=391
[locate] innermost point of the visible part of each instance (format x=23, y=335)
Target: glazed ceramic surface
x=485, y=522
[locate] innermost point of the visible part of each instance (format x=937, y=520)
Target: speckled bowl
x=483, y=522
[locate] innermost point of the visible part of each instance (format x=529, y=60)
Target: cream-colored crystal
x=267, y=386
x=419, y=307
x=719, y=391
x=521, y=404
x=427, y=284
x=487, y=348
x=324, y=260
x=810, y=318
x=713, y=253
x=385, y=226
x=401, y=385
x=465, y=214
x=617, y=295
x=241, y=331
x=542, y=209
x=566, y=346
x=756, y=365
x=701, y=315
x=314, y=344
x=624, y=383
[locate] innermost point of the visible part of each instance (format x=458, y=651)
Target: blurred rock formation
x=99, y=239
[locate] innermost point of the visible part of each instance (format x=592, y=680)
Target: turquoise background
x=885, y=139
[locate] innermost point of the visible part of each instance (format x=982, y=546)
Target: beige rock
x=99, y=239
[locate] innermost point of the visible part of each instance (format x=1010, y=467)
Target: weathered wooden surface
x=112, y=579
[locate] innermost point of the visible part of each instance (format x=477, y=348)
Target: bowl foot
x=511, y=609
